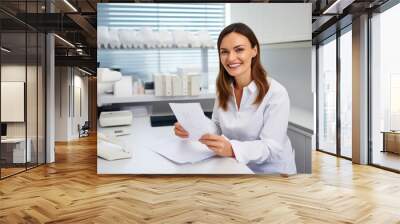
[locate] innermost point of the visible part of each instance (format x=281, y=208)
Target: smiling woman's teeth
x=234, y=65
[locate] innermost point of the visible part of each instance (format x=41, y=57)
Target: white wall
x=82, y=82
x=62, y=113
x=68, y=82
x=284, y=33
x=291, y=66
x=275, y=22
x=81, y=94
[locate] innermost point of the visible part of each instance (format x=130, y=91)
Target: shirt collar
x=251, y=87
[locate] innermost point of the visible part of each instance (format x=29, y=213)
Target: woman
x=251, y=110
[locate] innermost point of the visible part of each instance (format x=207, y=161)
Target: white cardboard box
x=168, y=85
x=195, y=81
x=158, y=85
x=185, y=85
x=177, y=85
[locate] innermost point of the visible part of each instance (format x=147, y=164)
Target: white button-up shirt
x=258, y=133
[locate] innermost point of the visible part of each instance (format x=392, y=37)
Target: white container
x=177, y=85
x=127, y=37
x=107, y=75
x=168, y=85
x=113, y=38
x=123, y=87
x=102, y=37
x=105, y=87
x=158, y=84
x=115, y=118
x=180, y=38
x=205, y=39
x=149, y=40
x=185, y=85
x=166, y=38
x=194, y=84
x=135, y=88
x=193, y=39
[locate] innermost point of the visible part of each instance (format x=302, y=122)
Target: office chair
x=84, y=130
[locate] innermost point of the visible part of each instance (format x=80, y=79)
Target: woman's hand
x=219, y=144
x=180, y=131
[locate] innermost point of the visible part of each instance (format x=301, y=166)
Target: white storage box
x=159, y=85
x=115, y=118
x=194, y=84
x=177, y=85
x=108, y=75
x=123, y=87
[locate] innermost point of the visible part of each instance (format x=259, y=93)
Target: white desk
x=19, y=149
x=145, y=161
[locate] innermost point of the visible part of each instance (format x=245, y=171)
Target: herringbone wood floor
x=70, y=191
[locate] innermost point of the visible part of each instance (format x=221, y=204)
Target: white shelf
x=111, y=99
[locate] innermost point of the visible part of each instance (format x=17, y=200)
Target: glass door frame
x=338, y=34
x=30, y=29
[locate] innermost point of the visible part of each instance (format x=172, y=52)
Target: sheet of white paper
x=182, y=151
x=192, y=119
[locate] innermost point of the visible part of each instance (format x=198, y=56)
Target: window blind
x=142, y=63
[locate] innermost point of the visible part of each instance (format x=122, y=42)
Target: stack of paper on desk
x=192, y=119
x=182, y=151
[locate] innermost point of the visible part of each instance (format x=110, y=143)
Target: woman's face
x=236, y=54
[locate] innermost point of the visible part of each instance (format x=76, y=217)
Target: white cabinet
x=17, y=148
x=301, y=139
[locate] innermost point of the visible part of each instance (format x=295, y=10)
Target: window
x=385, y=89
x=22, y=73
x=142, y=63
x=335, y=74
x=327, y=96
x=346, y=93
x=394, y=102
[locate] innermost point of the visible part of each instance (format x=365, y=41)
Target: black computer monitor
x=3, y=129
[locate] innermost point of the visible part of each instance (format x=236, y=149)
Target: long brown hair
x=258, y=73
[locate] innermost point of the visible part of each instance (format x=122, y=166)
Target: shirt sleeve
x=272, y=136
x=216, y=128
